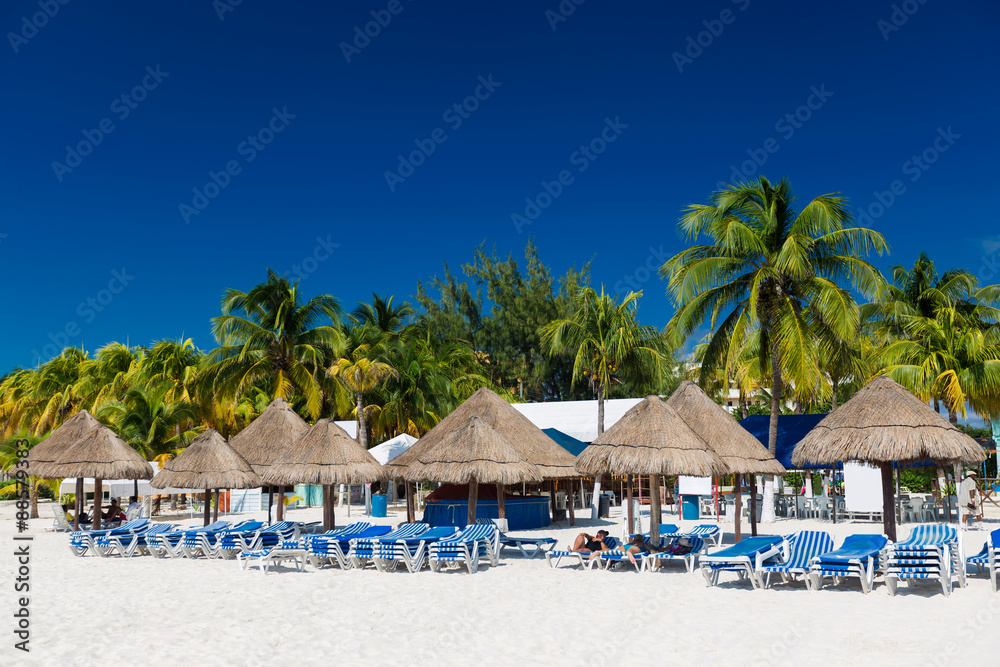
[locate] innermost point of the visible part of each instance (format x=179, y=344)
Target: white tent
x=350, y=426
x=117, y=488
x=576, y=418
x=392, y=448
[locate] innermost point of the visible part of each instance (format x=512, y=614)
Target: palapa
x=326, y=454
x=209, y=462
x=72, y=431
x=882, y=424
x=268, y=436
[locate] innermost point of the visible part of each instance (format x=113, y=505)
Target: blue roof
x=791, y=429
x=567, y=442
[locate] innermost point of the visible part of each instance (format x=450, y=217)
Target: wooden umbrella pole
x=280, y=511
x=888, y=504
x=473, y=499
x=208, y=509
x=98, y=497
x=552, y=499
x=215, y=506
x=630, y=513
x=572, y=516
x=753, y=505
x=738, y=518
x=411, y=503
x=654, y=510
x=833, y=494
x=328, y=509
x=501, y=506
x=78, y=503
x=270, y=501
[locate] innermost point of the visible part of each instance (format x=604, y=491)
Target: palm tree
x=773, y=272
x=359, y=373
x=381, y=317
x=175, y=362
x=608, y=344
x=147, y=420
x=54, y=392
x=108, y=375
x=18, y=409
x=268, y=337
x=8, y=460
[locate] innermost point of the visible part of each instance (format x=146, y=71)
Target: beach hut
x=882, y=424
x=532, y=445
x=207, y=463
x=101, y=454
x=325, y=455
x=650, y=439
x=742, y=453
x=72, y=431
x=267, y=438
x=472, y=453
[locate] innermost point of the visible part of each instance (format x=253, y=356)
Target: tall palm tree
x=608, y=344
x=382, y=317
x=771, y=271
x=54, y=391
x=268, y=337
x=360, y=373
x=175, y=362
x=9, y=448
x=147, y=420
x=108, y=375
x=18, y=408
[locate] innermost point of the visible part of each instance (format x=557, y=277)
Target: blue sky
x=276, y=126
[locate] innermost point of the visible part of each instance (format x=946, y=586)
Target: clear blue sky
x=206, y=85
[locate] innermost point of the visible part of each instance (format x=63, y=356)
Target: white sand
x=146, y=611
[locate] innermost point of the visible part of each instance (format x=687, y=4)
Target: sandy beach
x=96, y=611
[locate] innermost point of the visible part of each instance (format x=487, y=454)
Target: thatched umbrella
x=742, y=453
x=269, y=437
x=101, y=455
x=471, y=453
x=207, y=463
x=326, y=455
x=882, y=424
x=650, y=439
x=531, y=443
x=72, y=431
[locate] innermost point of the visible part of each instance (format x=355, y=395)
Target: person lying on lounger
x=586, y=544
x=637, y=546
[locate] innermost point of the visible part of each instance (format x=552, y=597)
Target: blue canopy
x=567, y=442
x=791, y=429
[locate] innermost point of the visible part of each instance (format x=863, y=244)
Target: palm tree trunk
x=33, y=498
x=942, y=486
x=767, y=512
x=833, y=402
x=362, y=426
x=596, y=499
x=654, y=510
x=600, y=409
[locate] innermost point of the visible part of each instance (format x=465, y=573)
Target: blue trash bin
x=379, y=504
x=690, y=510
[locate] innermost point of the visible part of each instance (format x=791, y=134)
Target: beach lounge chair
x=411, y=551
x=468, y=547
x=988, y=557
x=170, y=544
x=803, y=547
x=617, y=557
x=333, y=548
x=126, y=544
x=59, y=522
x=230, y=543
x=708, y=532
x=364, y=550
x=205, y=542
x=857, y=557
x=580, y=558
x=351, y=529
x=80, y=541
x=530, y=547
x=288, y=550
x=931, y=552
x=690, y=559
x=745, y=559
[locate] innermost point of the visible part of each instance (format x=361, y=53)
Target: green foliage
x=976, y=431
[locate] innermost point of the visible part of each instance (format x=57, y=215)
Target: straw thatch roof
x=742, y=453
x=650, y=439
x=532, y=445
x=72, y=431
x=207, y=463
x=270, y=435
x=326, y=454
x=100, y=454
x=884, y=422
x=472, y=452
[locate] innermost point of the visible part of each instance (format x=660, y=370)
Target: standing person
x=969, y=501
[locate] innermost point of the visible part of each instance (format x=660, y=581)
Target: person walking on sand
x=969, y=500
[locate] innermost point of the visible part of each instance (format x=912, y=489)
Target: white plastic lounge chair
x=579, y=557
x=344, y=531
x=803, y=547
x=468, y=547
x=617, y=557
x=80, y=541
x=931, y=552
x=332, y=549
x=207, y=543
x=411, y=551
x=364, y=550
x=989, y=557
x=125, y=545
x=655, y=560
x=170, y=545
x=857, y=557
x=59, y=523
x=708, y=532
x=229, y=544
x=288, y=550
x=745, y=559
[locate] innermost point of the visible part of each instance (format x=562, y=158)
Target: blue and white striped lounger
x=803, y=546
x=80, y=541
x=857, y=557
x=332, y=549
x=288, y=550
x=126, y=545
x=411, y=551
x=745, y=559
x=364, y=550
x=579, y=557
x=690, y=559
x=931, y=552
x=468, y=547
x=988, y=557
x=708, y=532
x=346, y=531
x=208, y=543
x=169, y=545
